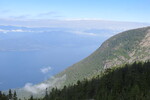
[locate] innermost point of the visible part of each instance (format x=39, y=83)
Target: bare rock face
x=145, y=43
x=140, y=53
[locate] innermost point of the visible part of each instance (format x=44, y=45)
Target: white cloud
x=3, y=31
x=101, y=34
x=17, y=30
x=45, y=70
x=53, y=82
x=93, y=34
x=84, y=33
x=35, y=88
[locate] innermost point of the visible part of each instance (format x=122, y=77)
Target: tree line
x=10, y=96
x=128, y=82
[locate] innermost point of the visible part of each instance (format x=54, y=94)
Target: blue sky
x=117, y=10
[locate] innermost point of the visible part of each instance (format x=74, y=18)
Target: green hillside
x=125, y=47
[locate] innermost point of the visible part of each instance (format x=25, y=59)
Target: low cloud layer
x=45, y=70
x=84, y=33
x=75, y=24
x=15, y=30
x=53, y=82
x=107, y=35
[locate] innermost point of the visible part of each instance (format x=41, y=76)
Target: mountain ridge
x=118, y=49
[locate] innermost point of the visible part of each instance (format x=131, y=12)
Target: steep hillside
x=126, y=47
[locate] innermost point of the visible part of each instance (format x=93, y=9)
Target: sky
x=115, y=10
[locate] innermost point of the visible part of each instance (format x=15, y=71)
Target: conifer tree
x=46, y=95
x=15, y=96
x=10, y=95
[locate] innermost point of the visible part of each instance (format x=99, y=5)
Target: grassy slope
x=118, y=45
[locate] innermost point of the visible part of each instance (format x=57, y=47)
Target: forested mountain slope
x=129, y=82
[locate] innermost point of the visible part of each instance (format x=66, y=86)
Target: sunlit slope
x=126, y=47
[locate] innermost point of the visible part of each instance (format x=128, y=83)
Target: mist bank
x=74, y=23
